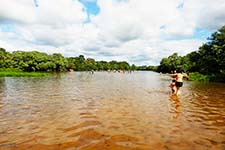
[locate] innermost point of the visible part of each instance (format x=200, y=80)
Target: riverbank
x=195, y=76
x=9, y=72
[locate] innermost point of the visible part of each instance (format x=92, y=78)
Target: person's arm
x=186, y=76
x=173, y=75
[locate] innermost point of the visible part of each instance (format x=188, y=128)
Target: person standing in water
x=179, y=80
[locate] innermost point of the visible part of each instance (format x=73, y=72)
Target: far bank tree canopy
x=38, y=61
x=209, y=59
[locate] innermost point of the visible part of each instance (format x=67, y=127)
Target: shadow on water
x=119, y=111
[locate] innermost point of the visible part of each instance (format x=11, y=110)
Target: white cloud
x=19, y=12
x=133, y=30
x=205, y=13
x=49, y=12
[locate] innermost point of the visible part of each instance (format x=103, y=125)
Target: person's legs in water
x=174, y=89
x=173, y=86
x=178, y=91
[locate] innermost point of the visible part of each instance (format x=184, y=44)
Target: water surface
x=115, y=111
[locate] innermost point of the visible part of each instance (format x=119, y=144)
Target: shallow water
x=110, y=111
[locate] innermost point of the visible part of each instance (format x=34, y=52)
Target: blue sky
x=91, y=8
x=140, y=32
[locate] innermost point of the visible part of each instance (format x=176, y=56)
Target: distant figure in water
x=179, y=80
x=173, y=86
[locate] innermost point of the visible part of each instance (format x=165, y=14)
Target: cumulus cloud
x=48, y=12
x=205, y=13
x=137, y=31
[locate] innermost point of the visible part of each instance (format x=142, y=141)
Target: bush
x=195, y=76
x=10, y=70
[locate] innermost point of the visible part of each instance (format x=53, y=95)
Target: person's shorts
x=179, y=84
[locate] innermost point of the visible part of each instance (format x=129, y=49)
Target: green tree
x=102, y=65
x=212, y=53
x=90, y=64
x=133, y=67
x=123, y=65
x=173, y=62
x=61, y=64
x=3, y=58
x=37, y=61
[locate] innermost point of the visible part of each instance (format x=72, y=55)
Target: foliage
x=209, y=60
x=195, y=76
x=147, y=68
x=171, y=63
x=34, y=61
x=9, y=72
x=133, y=67
x=212, y=53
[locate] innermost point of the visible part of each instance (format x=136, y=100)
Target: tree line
x=34, y=61
x=209, y=59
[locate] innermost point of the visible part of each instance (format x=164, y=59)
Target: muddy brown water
x=110, y=111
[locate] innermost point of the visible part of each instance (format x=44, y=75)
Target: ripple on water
x=110, y=111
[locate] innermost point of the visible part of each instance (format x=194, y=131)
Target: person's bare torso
x=179, y=77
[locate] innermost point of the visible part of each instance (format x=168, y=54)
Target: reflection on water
x=115, y=111
x=175, y=106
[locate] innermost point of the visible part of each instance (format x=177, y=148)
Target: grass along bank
x=195, y=76
x=11, y=72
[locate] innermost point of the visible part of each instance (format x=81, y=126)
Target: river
x=110, y=111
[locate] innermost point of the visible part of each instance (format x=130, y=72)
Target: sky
x=141, y=32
